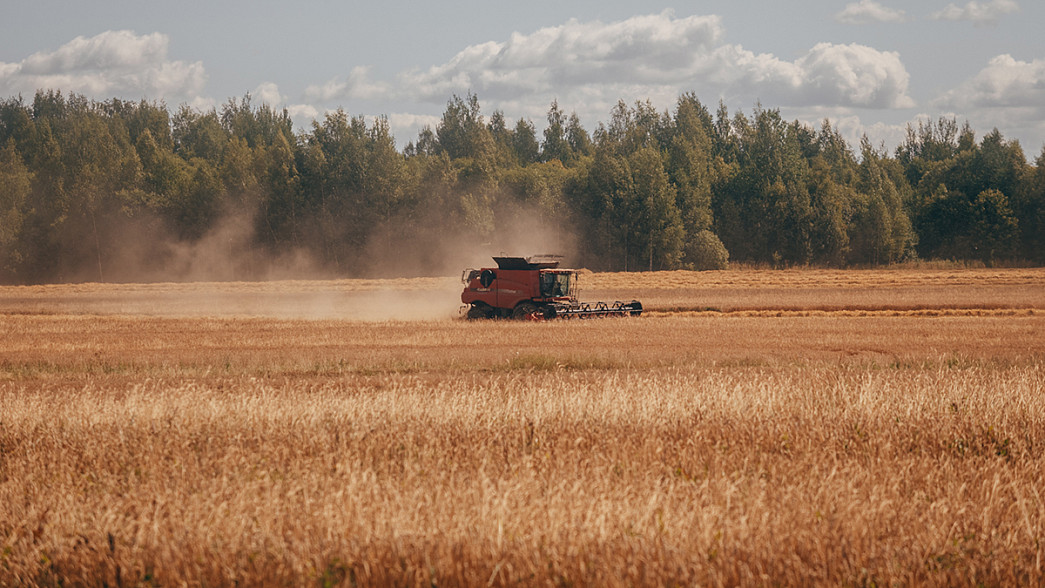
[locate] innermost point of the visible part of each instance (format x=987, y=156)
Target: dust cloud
x=403, y=271
x=143, y=251
x=436, y=251
x=349, y=299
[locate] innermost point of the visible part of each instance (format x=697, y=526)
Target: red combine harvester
x=532, y=288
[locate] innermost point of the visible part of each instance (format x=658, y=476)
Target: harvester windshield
x=555, y=284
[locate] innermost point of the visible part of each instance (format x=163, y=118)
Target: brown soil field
x=803, y=427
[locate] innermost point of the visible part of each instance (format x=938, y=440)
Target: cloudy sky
x=870, y=66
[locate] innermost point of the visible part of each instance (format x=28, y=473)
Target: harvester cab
x=532, y=288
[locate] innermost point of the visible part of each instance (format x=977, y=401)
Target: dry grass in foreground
x=660, y=451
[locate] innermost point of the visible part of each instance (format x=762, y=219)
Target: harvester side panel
x=528, y=288
x=505, y=290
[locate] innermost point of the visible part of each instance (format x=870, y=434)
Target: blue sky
x=870, y=66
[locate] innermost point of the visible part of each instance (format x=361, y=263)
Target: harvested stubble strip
x=844, y=312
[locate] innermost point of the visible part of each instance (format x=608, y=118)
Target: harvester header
x=532, y=288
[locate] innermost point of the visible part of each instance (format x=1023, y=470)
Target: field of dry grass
x=891, y=291
x=753, y=292
x=771, y=440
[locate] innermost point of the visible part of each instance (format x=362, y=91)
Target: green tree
x=196, y=209
x=524, y=143
x=881, y=228
x=1028, y=204
x=930, y=144
x=383, y=175
x=688, y=163
x=995, y=230
x=283, y=209
x=602, y=197
x=954, y=198
x=15, y=186
x=100, y=164
x=257, y=126
x=141, y=117
x=16, y=123
x=461, y=131
x=631, y=129
x=705, y=251
x=352, y=181
x=166, y=176
x=646, y=190
x=831, y=205
x=239, y=173
x=944, y=225
x=48, y=205
x=577, y=138
x=555, y=145
x=996, y=164
x=502, y=139
x=659, y=235
x=534, y=196
x=764, y=210
x=197, y=134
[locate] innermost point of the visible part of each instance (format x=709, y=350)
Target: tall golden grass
x=723, y=450
x=713, y=476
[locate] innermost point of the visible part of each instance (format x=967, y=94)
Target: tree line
x=91, y=189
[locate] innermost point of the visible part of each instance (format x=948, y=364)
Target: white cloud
x=869, y=11
x=853, y=75
x=646, y=49
x=978, y=12
x=405, y=126
x=356, y=86
x=302, y=114
x=409, y=120
x=113, y=62
x=659, y=56
x=1008, y=94
x=268, y=93
x=1005, y=83
x=108, y=51
x=305, y=112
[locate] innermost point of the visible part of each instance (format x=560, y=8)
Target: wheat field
x=894, y=436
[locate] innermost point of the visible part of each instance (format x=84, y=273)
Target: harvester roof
x=528, y=263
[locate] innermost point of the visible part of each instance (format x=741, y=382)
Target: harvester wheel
x=526, y=311
x=478, y=311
